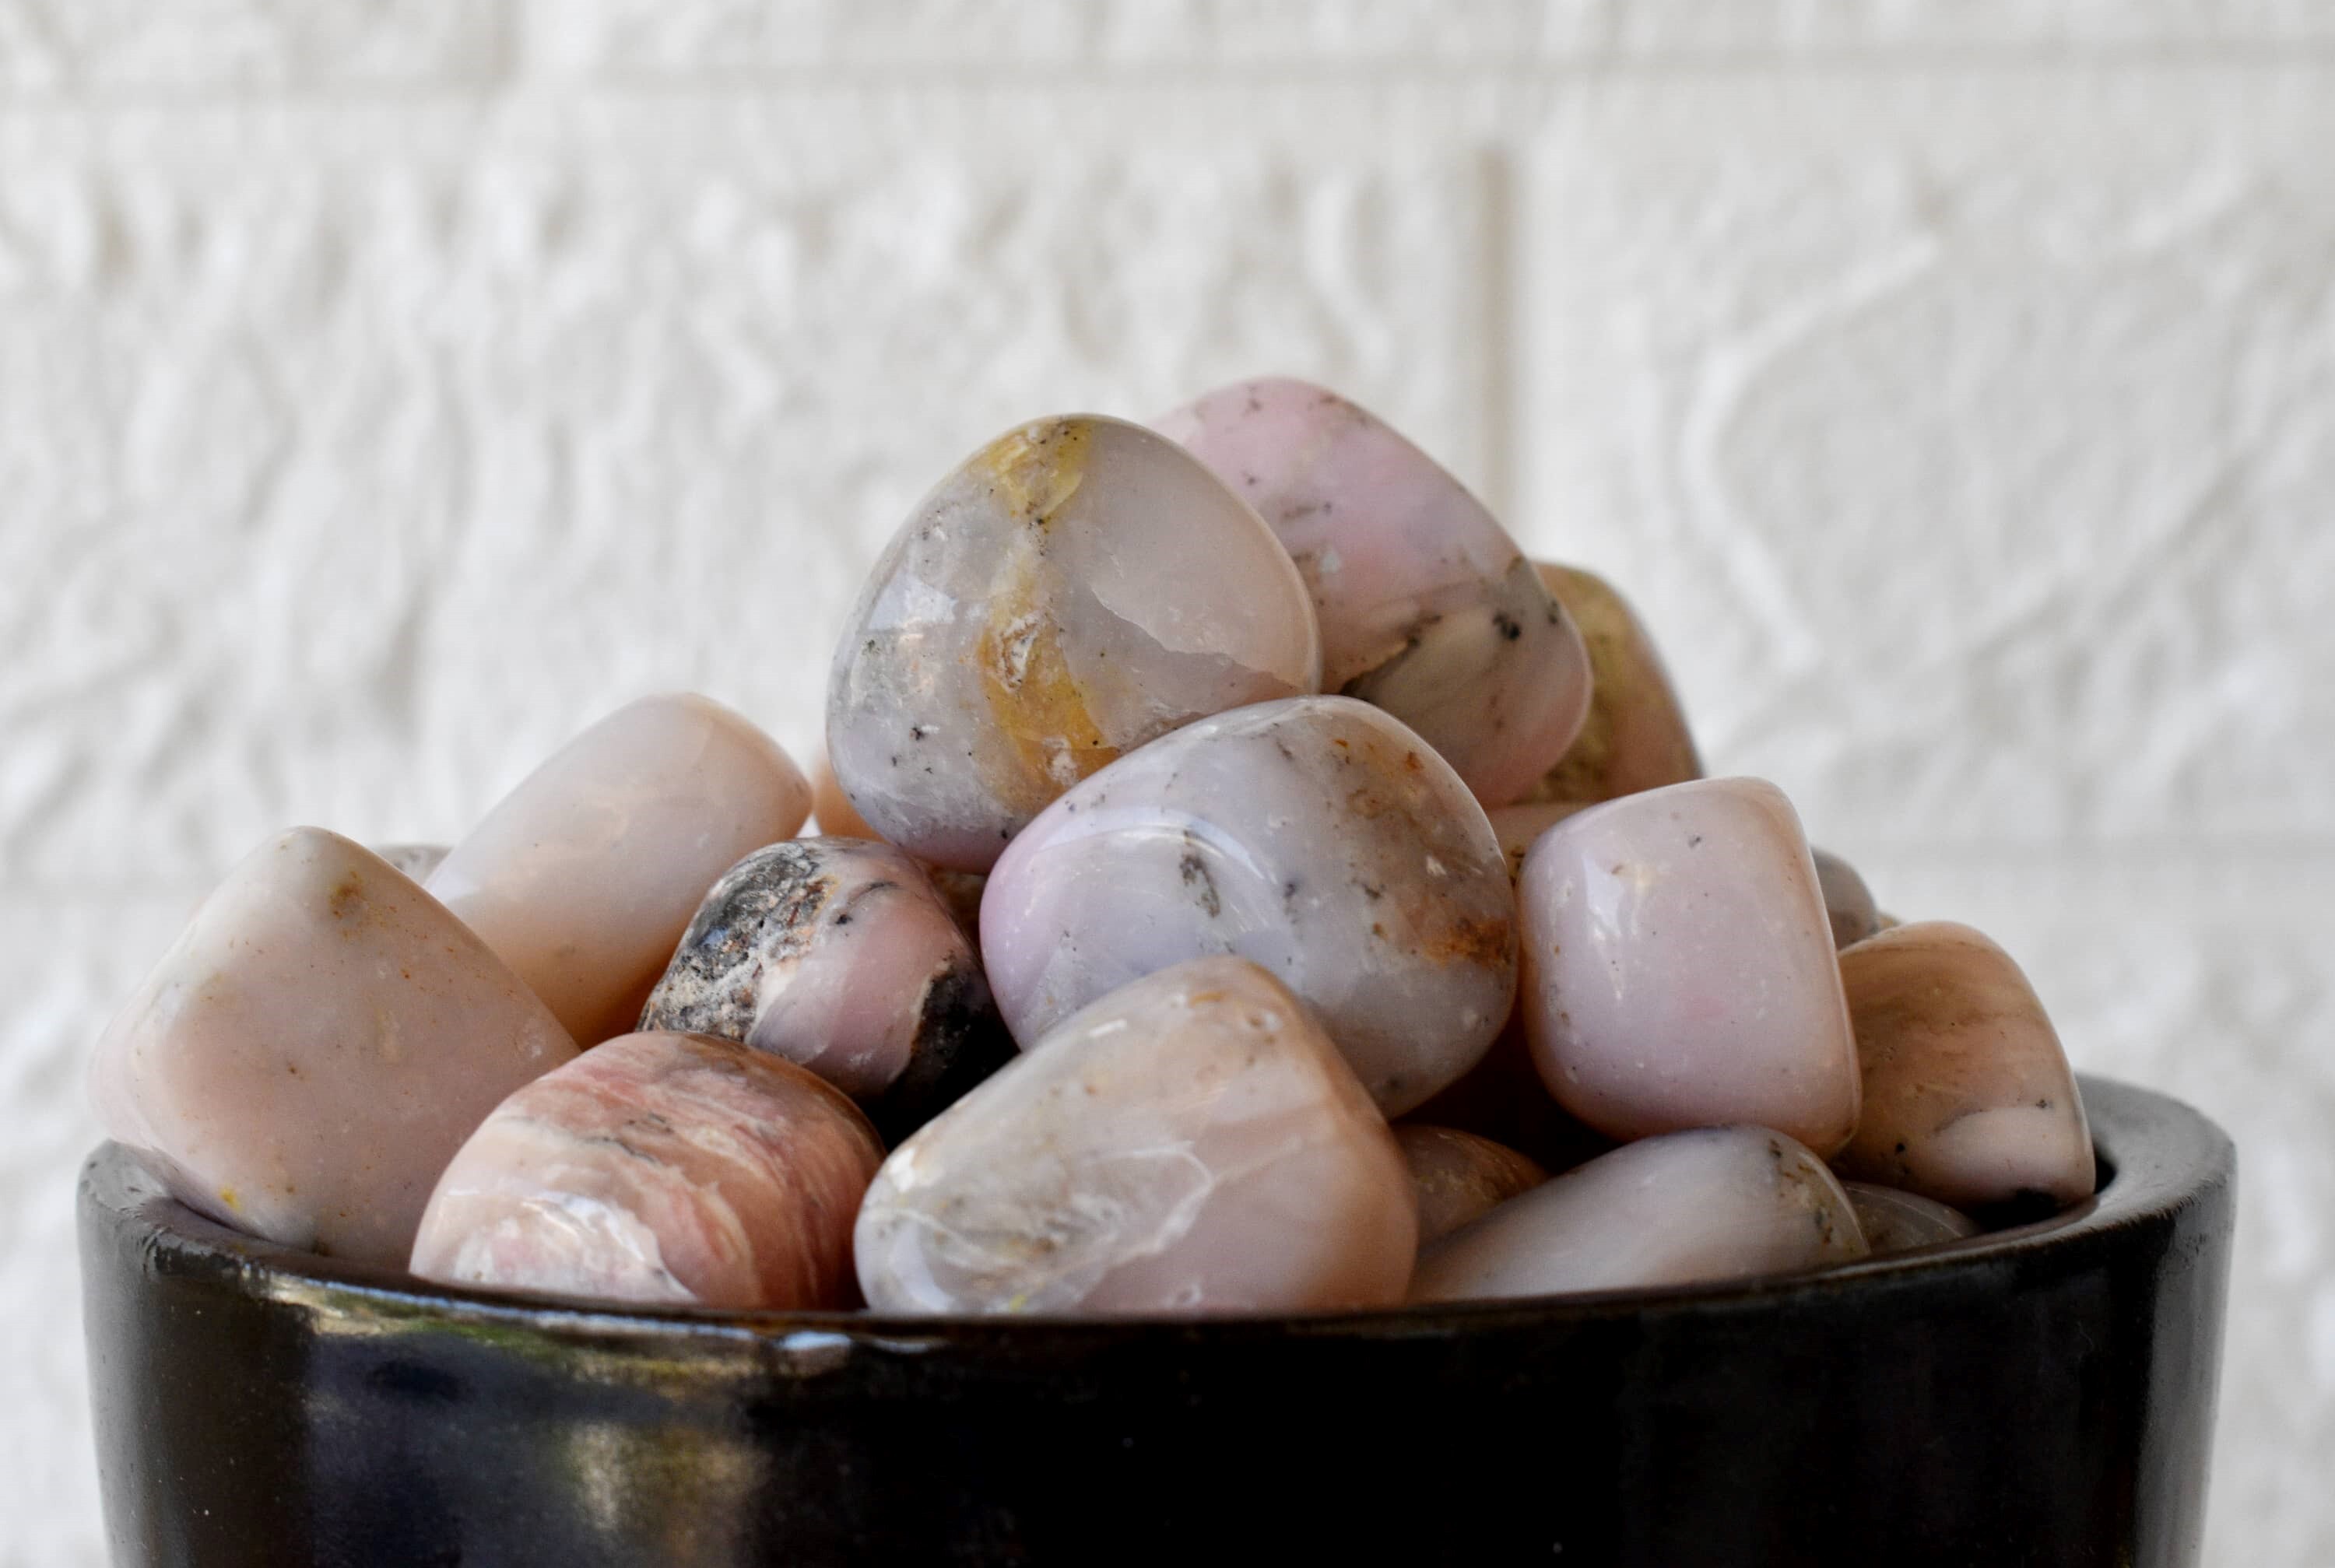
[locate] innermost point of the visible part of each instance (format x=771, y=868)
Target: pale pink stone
x=584, y=876
x=830, y=808
x=1968, y=1097
x=315, y=1047
x=1898, y=1222
x=1516, y=826
x=1458, y=1176
x=1191, y=1143
x=1316, y=837
x=1078, y=587
x=657, y=1168
x=1684, y=1208
x=1679, y=967
x=1428, y=608
x=1635, y=737
x=1849, y=902
x=840, y=956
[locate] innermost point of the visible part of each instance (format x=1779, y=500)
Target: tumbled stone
x=1898, y=1222
x=839, y=955
x=1684, y=1208
x=673, y=1170
x=1427, y=607
x=1849, y=902
x=583, y=878
x=315, y=1047
x=830, y=808
x=962, y=891
x=1191, y=1143
x=1458, y=1176
x=1078, y=587
x=1516, y=826
x=415, y=860
x=1315, y=835
x=1679, y=967
x=1968, y=1097
x=1635, y=737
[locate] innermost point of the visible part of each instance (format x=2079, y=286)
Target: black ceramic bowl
x=2038, y=1396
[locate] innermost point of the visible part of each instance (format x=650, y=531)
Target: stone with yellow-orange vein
x=1078, y=587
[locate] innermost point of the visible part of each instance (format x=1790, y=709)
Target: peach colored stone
x=583, y=878
x=1968, y=1097
x=1459, y=1177
x=1428, y=608
x=1191, y=1143
x=1679, y=967
x=1684, y=1208
x=830, y=808
x=1635, y=737
x=1316, y=837
x=662, y=1168
x=1898, y=1222
x=1078, y=587
x=315, y=1047
x=839, y=955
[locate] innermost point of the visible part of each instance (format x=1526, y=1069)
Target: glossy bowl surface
x=2039, y=1396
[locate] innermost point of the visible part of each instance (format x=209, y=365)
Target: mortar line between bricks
x=846, y=78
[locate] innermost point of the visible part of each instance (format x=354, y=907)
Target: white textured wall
x=387, y=389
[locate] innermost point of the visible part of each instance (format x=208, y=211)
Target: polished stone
x=1191, y=1143
x=1459, y=1177
x=1516, y=826
x=661, y=1169
x=830, y=808
x=1077, y=587
x=1968, y=1096
x=309, y=1054
x=1684, y=1208
x=1315, y=835
x=1898, y=1222
x=1636, y=736
x=1679, y=967
x=584, y=876
x=1849, y=902
x=1427, y=607
x=840, y=956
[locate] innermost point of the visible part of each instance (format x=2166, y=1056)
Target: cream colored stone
x=1459, y=1177
x=309, y=1054
x=583, y=878
x=1636, y=736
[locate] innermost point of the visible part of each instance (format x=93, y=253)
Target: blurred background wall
x=390, y=387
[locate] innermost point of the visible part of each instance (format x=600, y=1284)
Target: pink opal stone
x=315, y=1047
x=1968, y=1097
x=1191, y=1143
x=1078, y=587
x=1679, y=967
x=661, y=1169
x=1684, y=1208
x=1316, y=837
x=583, y=878
x=830, y=808
x=1459, y=1177
x=1635, y=737
x=1898, y=1222
x=839, y=955
x=1427, y=607
x=1516, y=826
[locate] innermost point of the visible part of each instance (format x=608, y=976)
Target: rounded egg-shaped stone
x=1316, y=837
x=1428, y=608
x=1077, y=587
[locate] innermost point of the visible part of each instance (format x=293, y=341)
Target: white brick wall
x=387, y=388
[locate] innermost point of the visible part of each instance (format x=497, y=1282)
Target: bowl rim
x=2157, y=1157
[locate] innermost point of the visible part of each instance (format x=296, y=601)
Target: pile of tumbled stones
x=1243, y=879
